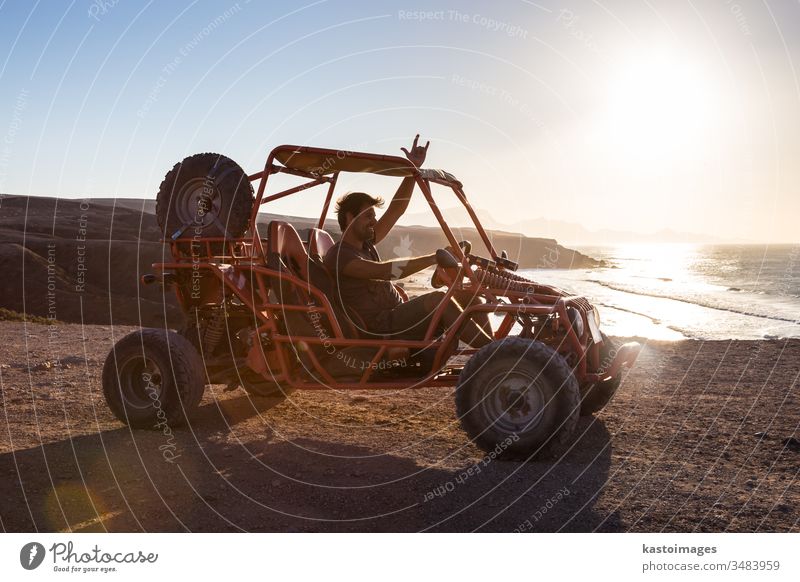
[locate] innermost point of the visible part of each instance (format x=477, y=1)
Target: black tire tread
x=522, y=348
x=235, y=213
x=187, y=375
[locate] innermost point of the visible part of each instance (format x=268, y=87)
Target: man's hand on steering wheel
x=447, y=260
x=417, y=154
x=465, y=245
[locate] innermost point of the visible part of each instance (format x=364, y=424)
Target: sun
x=658, y=104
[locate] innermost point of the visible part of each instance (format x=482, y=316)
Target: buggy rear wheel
x=517, y=398
x=153, y=378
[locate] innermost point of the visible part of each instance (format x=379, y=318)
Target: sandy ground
x=701, y=437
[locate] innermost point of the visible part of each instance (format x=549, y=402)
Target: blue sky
x=627, y=115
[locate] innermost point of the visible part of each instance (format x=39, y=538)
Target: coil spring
x=503, y=281
x=215, y=328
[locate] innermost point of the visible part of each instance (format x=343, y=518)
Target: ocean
x=679, y=291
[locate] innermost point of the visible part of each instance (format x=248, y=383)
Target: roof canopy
x=321, y=162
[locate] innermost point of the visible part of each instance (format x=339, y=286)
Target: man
x=364, y=282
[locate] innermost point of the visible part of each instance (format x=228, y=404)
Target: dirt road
x=701, y=437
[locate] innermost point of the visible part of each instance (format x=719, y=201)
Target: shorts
x=409, y=320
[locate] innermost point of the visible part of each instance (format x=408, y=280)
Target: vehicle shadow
x=204, y=478
x=536, y=496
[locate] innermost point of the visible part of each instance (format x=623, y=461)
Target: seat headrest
x=284, y=242
x=319, y=242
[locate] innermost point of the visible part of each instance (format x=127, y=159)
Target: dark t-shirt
x=371, y=299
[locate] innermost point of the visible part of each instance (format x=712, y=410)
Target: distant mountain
x=137, y=204
x=529, y=252
x=579, y=235
x=569, y=232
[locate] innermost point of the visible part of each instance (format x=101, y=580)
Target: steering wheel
x=446, y=260
x=501, y=261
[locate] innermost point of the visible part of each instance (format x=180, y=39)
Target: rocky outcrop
x=81, y=260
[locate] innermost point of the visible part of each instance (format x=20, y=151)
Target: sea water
x=677, y=291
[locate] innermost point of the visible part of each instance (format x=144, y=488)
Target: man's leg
x=410, y=320
x=467, y=298
x=471, y=332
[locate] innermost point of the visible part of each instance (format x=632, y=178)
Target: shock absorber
x=499, y=280
x=215, y=328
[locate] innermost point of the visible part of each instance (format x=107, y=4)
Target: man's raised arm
x=402, y=197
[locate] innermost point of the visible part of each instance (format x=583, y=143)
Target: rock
x=792, y=444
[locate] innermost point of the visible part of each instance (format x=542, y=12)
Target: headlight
x=596, y=316
x=575, y=320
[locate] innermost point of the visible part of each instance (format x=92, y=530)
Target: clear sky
x=628, y=115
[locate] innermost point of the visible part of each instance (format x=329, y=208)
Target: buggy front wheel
x=517, y=398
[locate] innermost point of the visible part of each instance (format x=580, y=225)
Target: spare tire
x=205, y=195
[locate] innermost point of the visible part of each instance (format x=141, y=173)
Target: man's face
x=362, y=226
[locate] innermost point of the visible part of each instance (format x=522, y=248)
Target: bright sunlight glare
x=658, y=105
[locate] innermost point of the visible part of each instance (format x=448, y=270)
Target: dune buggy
x=262, y=314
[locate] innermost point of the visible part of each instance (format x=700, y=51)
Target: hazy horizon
x=623, y=116
x=409, y=221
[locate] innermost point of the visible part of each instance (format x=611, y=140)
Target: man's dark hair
x=354, y=203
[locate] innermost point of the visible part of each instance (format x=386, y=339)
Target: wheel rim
x=198, y=202
x=141, y=383
x=514, y=401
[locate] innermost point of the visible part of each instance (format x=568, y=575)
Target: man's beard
x=369, y=235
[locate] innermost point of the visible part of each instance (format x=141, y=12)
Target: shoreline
x=418, y=284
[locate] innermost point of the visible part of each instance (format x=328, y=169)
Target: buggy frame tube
x=251, y=262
